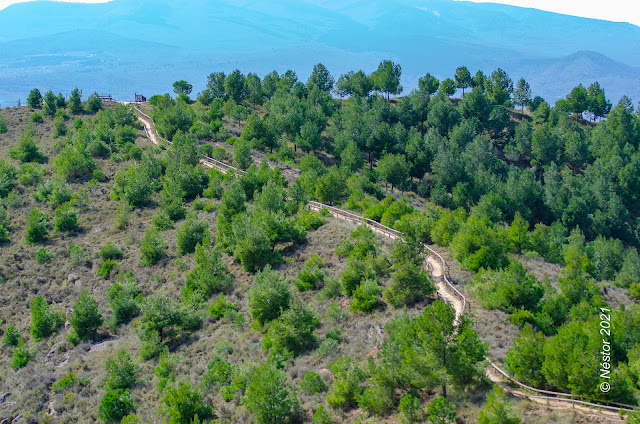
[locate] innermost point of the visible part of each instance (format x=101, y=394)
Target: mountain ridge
x=432, y=36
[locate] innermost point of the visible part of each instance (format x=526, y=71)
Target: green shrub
x=365, y=297
x=45, y=319
x=124, y=298
x=30, y=175
x=153, y=247
x=36, y=118
x=11, y=336
x=293, y=331
x=184, y=402
x=27, y=150
x=74, y=162
x=3, y=124
x=192, y=232
x=161, y=221
x=312, y=276
x=269, y=296
x=166, y=369
x=85, y=318
x=7, y=176
x=313, y=384
x=439, y=411
x=115, y=405
x=267, y=396
x=122, y=373
x=220, y=306
x=44, y=256
x=37, y=226
x=94, y=103
x=357, y=270
x=64, y=383
x=327, y=348
x=4, y=216
x=135, y=152
x=347, y=384
x=98, y=175
x=106, y=268
x=60, y=194
x=322, y=416
x=21, y=356
x=335, y=313
x=4, y=234
x=110, y=251
x=219, y=373
x=497, y=409
x=65, y=219
x=310, y=220
x=99, y=149
x=133, y=185
x=409, y=283
x=77, y=256
x=131, y=419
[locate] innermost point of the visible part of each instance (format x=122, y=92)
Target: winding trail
x=437, y=267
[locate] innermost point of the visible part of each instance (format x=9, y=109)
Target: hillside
x=130, y=40
x=139, y=282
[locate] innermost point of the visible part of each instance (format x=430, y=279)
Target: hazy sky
x=5, y=3
x=611, y=10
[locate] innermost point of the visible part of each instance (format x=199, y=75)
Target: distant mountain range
x=128, y=46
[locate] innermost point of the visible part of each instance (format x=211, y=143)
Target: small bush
x=312, y=276
x=335, y=313
x=161, y=221
x=36, y=118
x=193, y=232
x=106, y=268
x=94, y=103
x=21, y=356
x=313, y=384
x=77, y=256
x=45, y=319
x=98, y=175
x=328, y=347
x=219, y=373
x=37, y=226
x=27, y=150
x=269, y=296
x=12, y=336
x=44, y=256
x=220, y=306
x=65, y=219
x=124, y=298
x=64, y=383
x=322, y=416
x=184, y=402
x=115, y=405
x=122, y=373
x=153, y=247
x=365, y=297
x=110, y=251
x=85, y=318
x=3, y=124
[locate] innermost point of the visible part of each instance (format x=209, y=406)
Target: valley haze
x=126, y=46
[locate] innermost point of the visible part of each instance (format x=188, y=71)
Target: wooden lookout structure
x=106, y=97
x=140, y=98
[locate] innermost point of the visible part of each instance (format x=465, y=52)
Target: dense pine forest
x=142, y=287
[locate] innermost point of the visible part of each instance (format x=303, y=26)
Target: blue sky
x=610, y=10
